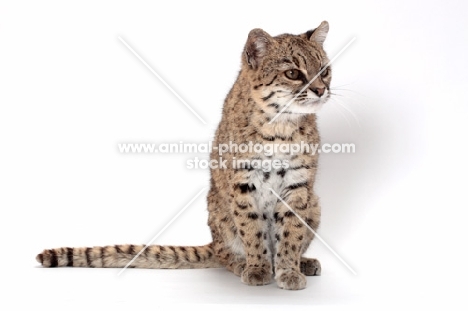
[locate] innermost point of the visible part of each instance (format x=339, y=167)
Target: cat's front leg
x=292, y=236
x=251, y=230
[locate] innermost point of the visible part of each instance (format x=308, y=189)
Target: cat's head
x=288, y=70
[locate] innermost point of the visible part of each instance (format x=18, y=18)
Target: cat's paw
x=237, y=267
x=256, y=276
x=290, y=279
x=310, y=266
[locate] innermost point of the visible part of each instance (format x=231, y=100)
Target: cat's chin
x=308, y=107
x=313, y=102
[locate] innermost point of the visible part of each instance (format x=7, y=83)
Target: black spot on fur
x=196, y=254
x=268, y=96
x=281, y=172
x=53, y=258
x=296, y=186
x=271, y=82
x=70, y=256
x=88, y=257
x=176, y=256
x=245, y=188
x=252, y=216
x=302, y=207
x=242, y=206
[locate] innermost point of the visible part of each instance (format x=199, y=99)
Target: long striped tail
x=118, y=256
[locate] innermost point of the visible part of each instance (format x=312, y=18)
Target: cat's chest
x=269, y=183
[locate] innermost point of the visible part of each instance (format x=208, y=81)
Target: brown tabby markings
x=254, y=234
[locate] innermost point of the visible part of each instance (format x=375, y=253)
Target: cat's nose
x=319, y=91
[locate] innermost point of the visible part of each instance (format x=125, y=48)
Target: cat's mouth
x=313, y=101
x=307, y=106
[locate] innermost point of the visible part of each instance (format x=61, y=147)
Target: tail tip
x=40, y=258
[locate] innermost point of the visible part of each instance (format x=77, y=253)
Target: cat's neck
x=270, y=124
x=242, y=114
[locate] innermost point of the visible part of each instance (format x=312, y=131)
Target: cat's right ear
x=256, y=47
x=318, y=34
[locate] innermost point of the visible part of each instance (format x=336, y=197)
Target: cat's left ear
x=256, y=47
x=318, y=34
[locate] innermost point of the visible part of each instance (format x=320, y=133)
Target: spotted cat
x=260, y=219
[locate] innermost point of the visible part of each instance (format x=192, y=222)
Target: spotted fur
x=254, y=234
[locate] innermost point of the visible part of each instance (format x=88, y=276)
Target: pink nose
x=319, y=91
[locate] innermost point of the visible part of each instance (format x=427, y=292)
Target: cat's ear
x=318, y=34
x=256, y=47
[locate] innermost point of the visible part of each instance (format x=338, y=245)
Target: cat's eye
x=325, y=72
x=292, y=74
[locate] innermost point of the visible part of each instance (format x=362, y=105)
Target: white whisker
x=336, y=90
x=337, y=86
x=342, y=114
x=348, y=99
x=350, y=111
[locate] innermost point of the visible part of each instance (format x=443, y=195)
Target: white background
x=70, y=91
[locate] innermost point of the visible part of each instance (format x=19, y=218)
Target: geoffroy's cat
x=256, y=235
